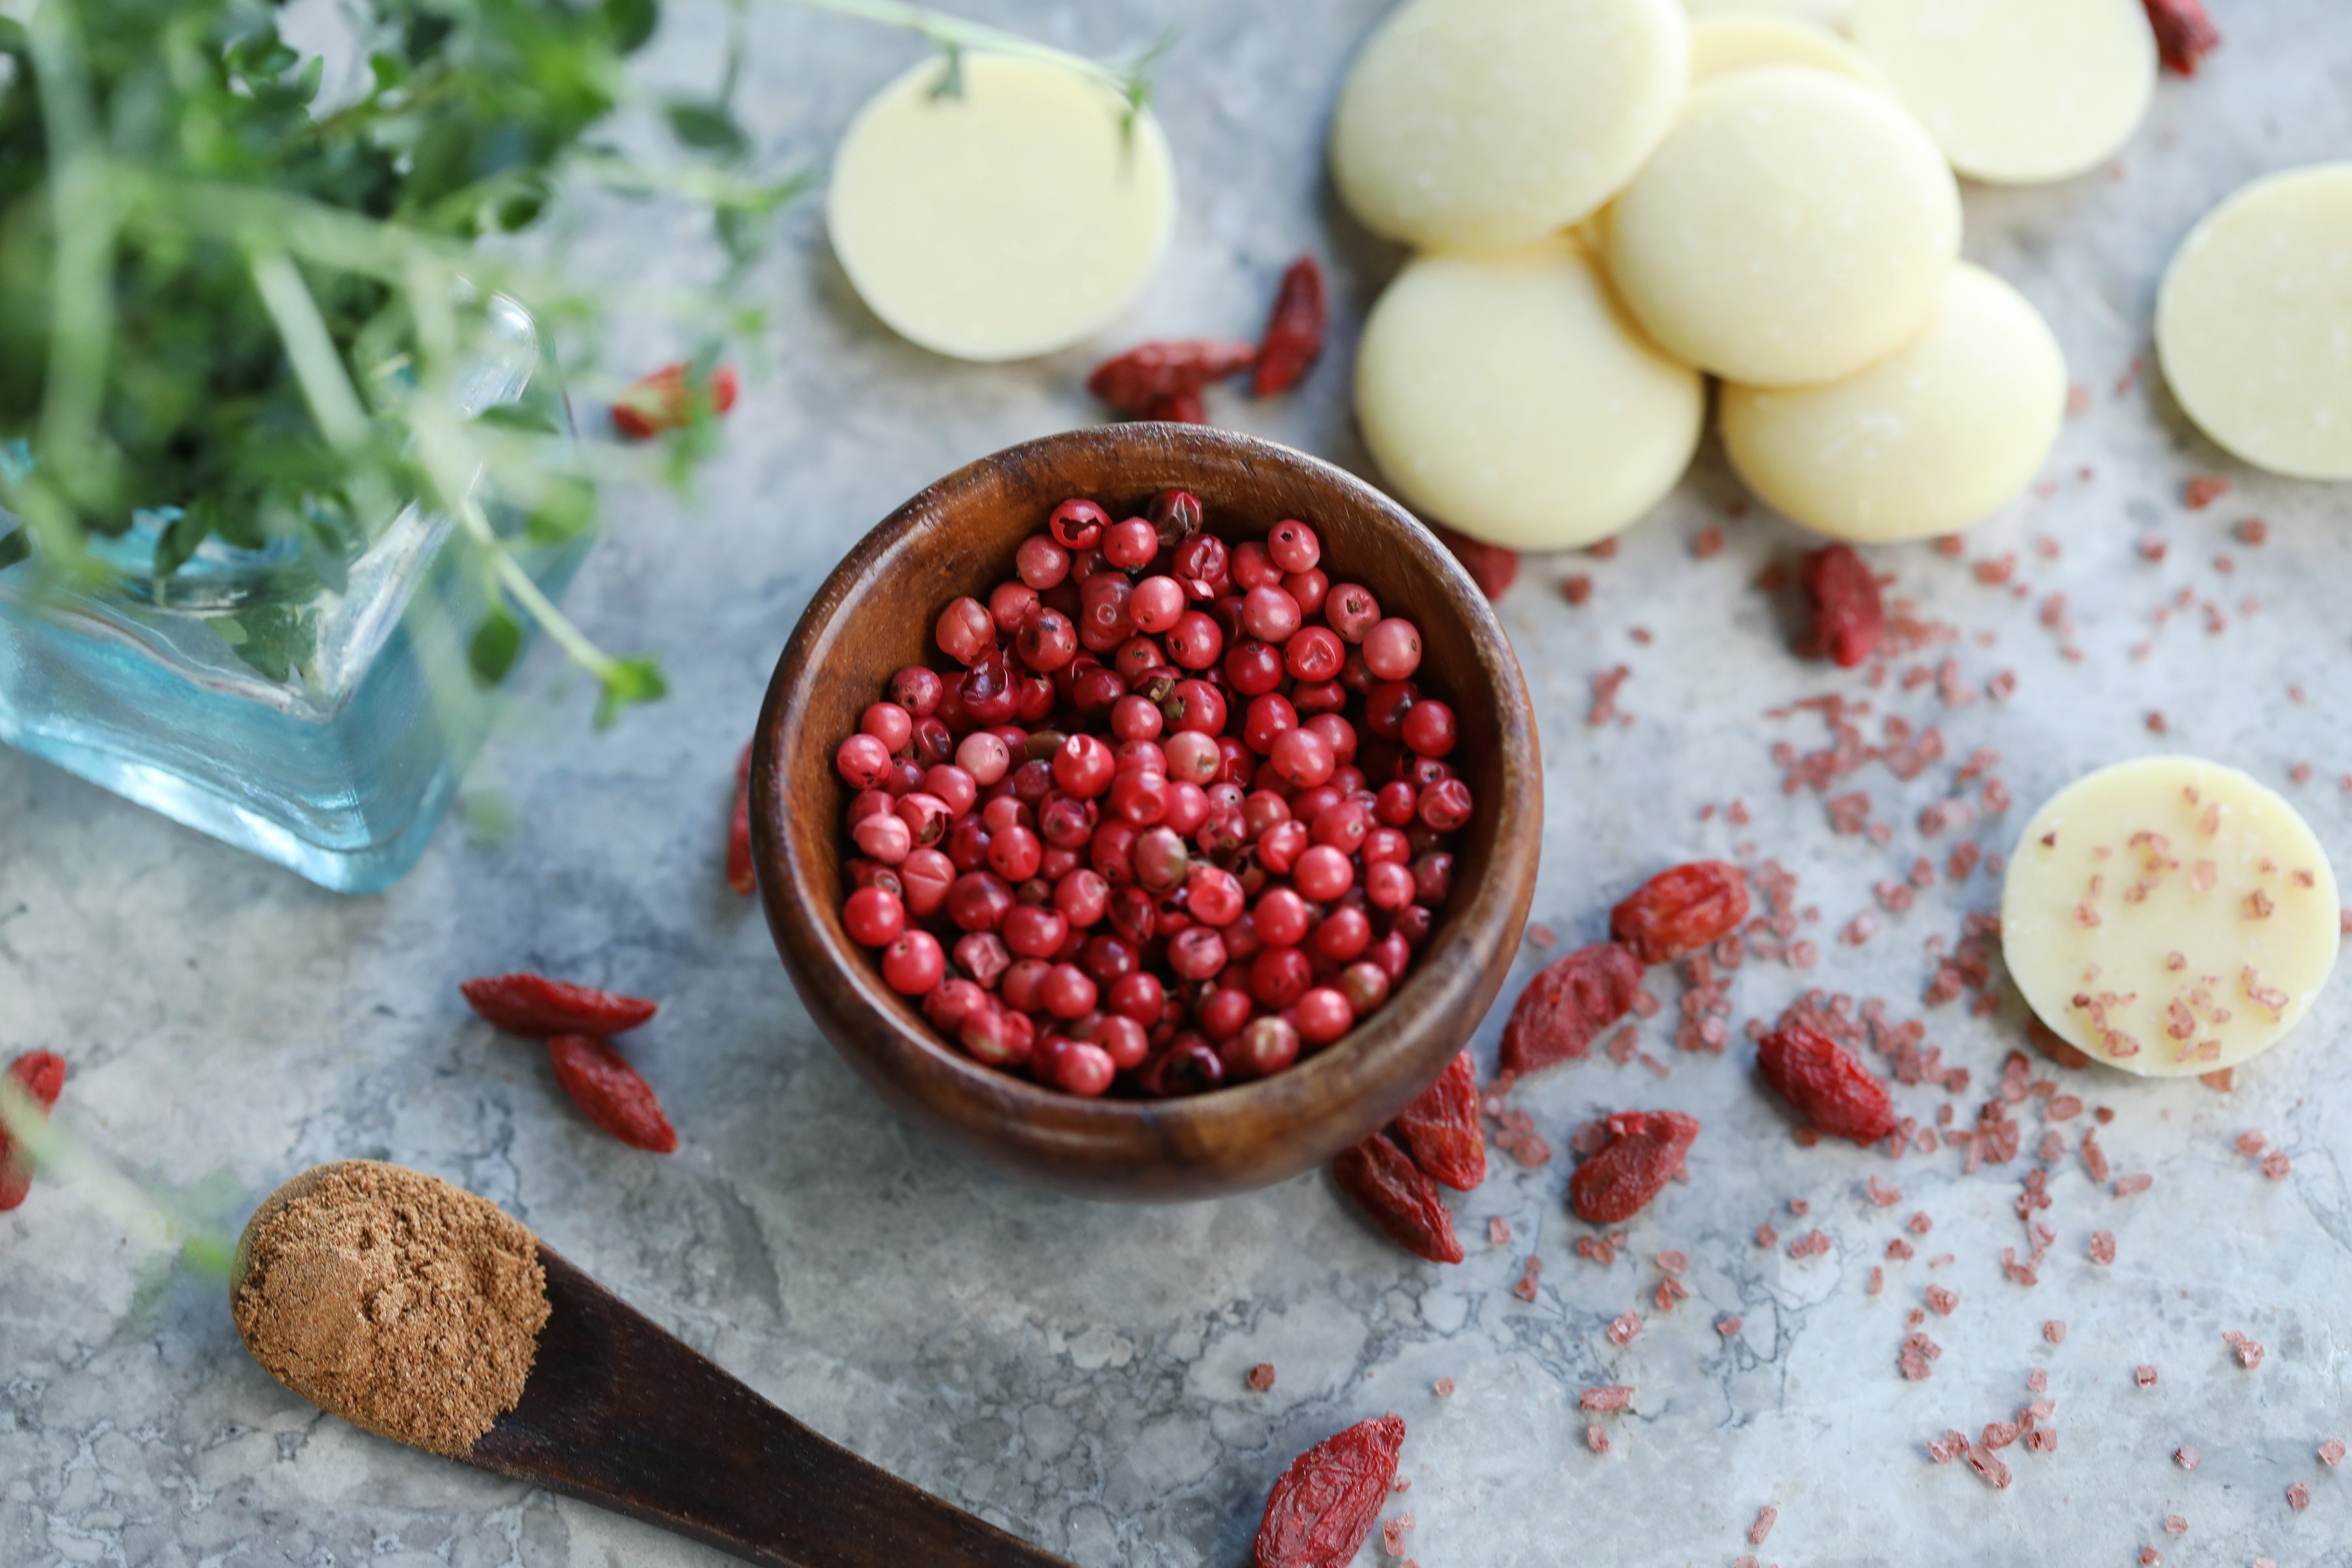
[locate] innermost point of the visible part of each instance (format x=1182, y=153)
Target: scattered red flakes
x=1261, y=1376
x=1882, y=1194
x=1602, y=550
x=2251, y=531
x=2175, y=1525
x=2054, y=1331
x=1919, y=1224
x=1942, y=1300
x=2149, y=1557
x=2133, y=1184
x=1999, y=1433
x=1622, y=1329
x=1596, y=1249
x=2202, y=490
x=2095, y=1159
x=2331, y=1453
x=1442, y=1388
x=1499, y=1231
x=2038, y=1381
x=1727, y=1325
x=2145, y=1375
x=1800, y=1207
x=2220, y=1080
x=1812, y=1243
x=2185, y=1457
x=1576, y=589
x=1707, y=543
x=1765, y=1517
x=1917, y=1352
x=2298, y=1495
x=1526, y=1287
x=1597, y=1439
x=1767, y=1237
x=2157, y=724
x=1605, y=687
x=2275, y=1165
x=1877, y=1280
x=1612, y=1397
x=1393, y=1532
x=2102, y=1247
x=1640, y=635
x=1898, y=1249
x=2250, y=1354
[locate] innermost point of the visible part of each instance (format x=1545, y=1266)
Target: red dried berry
x=42, y=1076
x=1294, y=332
x=1440, y=1129
x=1491, y=566
x=1835, y=1094
x=663, y=401
x=1170, y=367
x=1323, y=1508
x=1682, y=910
x=740, y=875
x=1646, y=1148
x=1385, y=1183
x=535, y=1007
x=1567, y=1004
x=611, y=1093
x=1848, y=617
x=2184, y=34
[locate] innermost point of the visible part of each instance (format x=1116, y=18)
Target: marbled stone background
x=1075, y=1372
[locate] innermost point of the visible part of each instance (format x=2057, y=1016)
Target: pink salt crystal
x=1882, y=1194
x=2298, y=1495
x=2054, y=1331
x=2144, y=1375
x=1596, y=1439
x=1611, y=1396
x=1622, y=1329
x=1727, y=1326
x=1763, y=1525
x=1526, y=1288
x=1987, y=1464
x=1898, y=1248
x=1942, y=1300
x=2102, y=1247
x=2275, y=1165
x=2252, y=1144
x=2131, y=1186
x=1673, y=1262
x=2041, y=1440
x=2250, y=1354
x=2185, y=1457
x=2175, y=1525
x=2149, y=1557
x=1393, y=1532
x=1403, y=1484
x=1261, y=1376
x=1443, y=1387
x=1767, y=1237
x=2038, y=1381
x=1919, y=1224
x=1499, y=1231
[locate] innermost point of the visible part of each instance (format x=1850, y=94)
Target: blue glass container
x=326, y=730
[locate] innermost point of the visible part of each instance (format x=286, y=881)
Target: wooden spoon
x=623, y=1413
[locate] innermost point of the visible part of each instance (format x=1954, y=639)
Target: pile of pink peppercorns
x=1133, y=840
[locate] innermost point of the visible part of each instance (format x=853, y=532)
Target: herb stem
x=326, y=386
x=954, y=33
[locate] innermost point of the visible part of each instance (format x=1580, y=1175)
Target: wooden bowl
x=874, y=615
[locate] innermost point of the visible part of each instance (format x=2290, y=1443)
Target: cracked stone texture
x=1075, y=1372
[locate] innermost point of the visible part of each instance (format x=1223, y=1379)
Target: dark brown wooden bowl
x=874, y=615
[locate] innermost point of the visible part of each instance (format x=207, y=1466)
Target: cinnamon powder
x=404, y=1305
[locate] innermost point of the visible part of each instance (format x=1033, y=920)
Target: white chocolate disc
x=2016, y=92
x=1487, y=123
x=1820, y=13
x=1009, y=221
x=1793, y=227
x=1732, y=41
x=1940, y=435
x=1508, y=395
x=2168, y=915
x=2254, y=325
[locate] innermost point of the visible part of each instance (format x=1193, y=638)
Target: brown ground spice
x=401, y=1303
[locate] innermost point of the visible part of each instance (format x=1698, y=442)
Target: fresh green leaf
x=528, y=418
x=496, y=642
x=710, y=127
x=950, y=83
x=14, y=545
x=632, y=22
x=626, y=681
x=566, y=510
x=180, y=539
x=278, y=639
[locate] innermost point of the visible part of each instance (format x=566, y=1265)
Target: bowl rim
x=825, y=966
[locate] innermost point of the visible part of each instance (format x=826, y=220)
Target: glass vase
x=324, y=728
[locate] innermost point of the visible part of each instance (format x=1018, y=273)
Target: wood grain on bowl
x=874, y=615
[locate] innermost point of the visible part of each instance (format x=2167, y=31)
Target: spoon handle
x=623, y=1414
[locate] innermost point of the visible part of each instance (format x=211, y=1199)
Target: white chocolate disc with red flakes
x=1939, y=435
x=1488, y=123
x=1508, y=395
x=2254, y=323
x=1793, y=228
x=1015, y=215
x=2017, y=92
x=2168, y=916
x=1743, y=40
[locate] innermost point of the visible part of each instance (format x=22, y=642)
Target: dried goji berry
x=740, y=875
x=2184, y=33
x=661, y=401
x=532, y=1005
x=1833, y=1092
x=611, y=1093
x=1294, y=332
x=1178, y=408
x=1323, y=1508
x=1382, y=1179
x=1491, y=566
x=1680, y=910
x=1134, y=381
x=1440, y=1128
x=42, y=1076
x=1568, y=1004
x=1848, y=616
x=1646, y=1148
